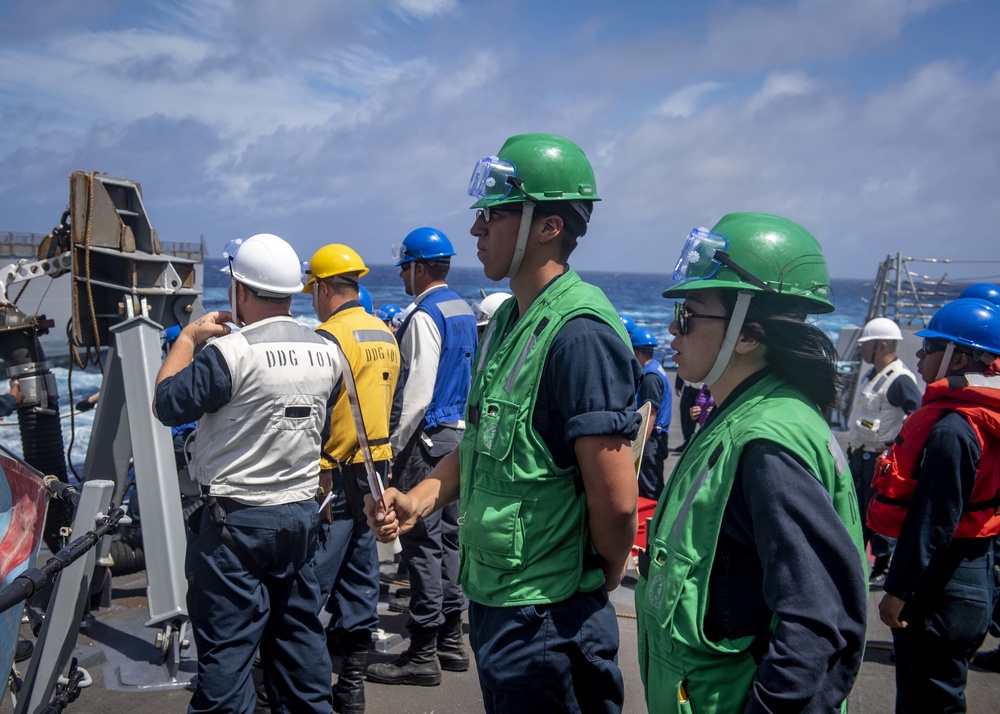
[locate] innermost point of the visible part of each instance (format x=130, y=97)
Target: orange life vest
x=977, y=398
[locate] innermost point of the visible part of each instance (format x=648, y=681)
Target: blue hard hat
x=388, y=311
x=983, y=291
x=422, y=244
x=365, y=298
x=643, y=338
x=969, y=322
x=628, y=323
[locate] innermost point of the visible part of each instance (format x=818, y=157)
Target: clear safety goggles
x=704, y=252
x=399, y=253
x=698, y=256
x=229, y=254
x=490, y=179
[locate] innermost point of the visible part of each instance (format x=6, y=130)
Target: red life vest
x=977, y=398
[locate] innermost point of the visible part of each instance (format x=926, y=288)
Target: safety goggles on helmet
x=494, y=178
x=401, y=254
x=683, y=317
x=229, y=254
x=489, y=179
x=704, y=252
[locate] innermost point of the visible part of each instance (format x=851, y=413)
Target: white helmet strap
x=949, y=351
x=743, y=298
x=527, y=213
x=233, y=303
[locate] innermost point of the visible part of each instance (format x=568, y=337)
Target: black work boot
x=451, y=645
x=879, y=569
x=349, y=691
x=418, y=665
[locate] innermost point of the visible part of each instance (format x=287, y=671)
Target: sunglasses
x=488, y=214
x=682, y=317
x=929, y=347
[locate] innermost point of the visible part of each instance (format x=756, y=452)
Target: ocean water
x=637, y=295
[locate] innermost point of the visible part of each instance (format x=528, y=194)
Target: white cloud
x=361, y=125
x=426, y=8
x=780, y=85
x=683, y=103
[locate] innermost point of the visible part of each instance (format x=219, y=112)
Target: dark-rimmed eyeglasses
x=488, y=213
x=682, y=317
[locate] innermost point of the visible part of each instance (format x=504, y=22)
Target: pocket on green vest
x=666, y=688
x=496, y=430
x=494, y=535
x=668, y=571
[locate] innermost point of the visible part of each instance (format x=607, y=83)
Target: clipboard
x=639, y=443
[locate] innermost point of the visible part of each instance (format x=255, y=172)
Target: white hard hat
x=881, y=328
x=487, y=306
x=266, y=263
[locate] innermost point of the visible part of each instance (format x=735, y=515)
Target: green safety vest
x=682, y=670
x=523, y=531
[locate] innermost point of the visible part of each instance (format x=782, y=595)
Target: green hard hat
x=759, y=253
x=548, y=167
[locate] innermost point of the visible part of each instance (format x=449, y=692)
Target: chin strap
x=949, y=351
x=732, y=335
x=233, y=306
x=527, y=212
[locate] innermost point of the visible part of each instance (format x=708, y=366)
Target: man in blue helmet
x=386, y=313
x=655, y=389
x=544, y=471
x=436, y=342
x=938, y=491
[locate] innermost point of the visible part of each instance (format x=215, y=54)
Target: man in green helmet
x=752, y=594
x=544, y=470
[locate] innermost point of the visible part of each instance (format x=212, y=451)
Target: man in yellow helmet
x=346, y=562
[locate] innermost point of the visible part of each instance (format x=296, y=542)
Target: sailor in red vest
x=938, y=491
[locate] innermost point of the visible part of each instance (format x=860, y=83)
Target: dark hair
x=438, y=267
x=798, y=352
x=341, y=289
x=574, y=224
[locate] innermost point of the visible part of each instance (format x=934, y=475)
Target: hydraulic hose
x=38, y=416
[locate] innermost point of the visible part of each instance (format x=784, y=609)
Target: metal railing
x=905, y=291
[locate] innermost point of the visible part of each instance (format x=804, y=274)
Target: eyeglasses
x=682, y=316
x=488, y=214
x=929, y=347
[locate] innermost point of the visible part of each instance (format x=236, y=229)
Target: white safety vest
x=874, y=422
x=262, y=448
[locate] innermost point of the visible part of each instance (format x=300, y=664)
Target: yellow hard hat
x=333, y=259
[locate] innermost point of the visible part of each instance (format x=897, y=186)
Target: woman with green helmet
x=752, y=593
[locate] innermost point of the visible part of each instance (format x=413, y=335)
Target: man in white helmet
x=262, y=399
x=886, y=395
x=485, y=308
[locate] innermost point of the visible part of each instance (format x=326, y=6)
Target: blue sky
x=873, y=123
